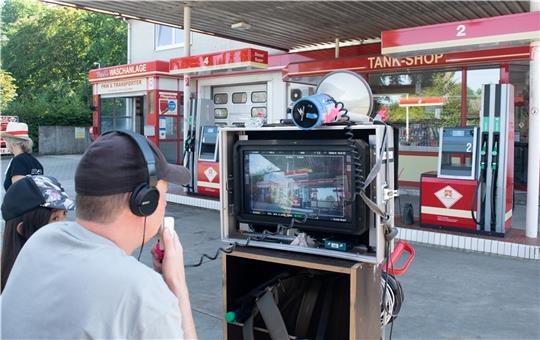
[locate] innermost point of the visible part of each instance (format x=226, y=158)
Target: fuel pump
x=496, y=178
x=208, y=161
x=462, y=195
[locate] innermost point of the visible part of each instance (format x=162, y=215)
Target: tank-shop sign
x=121, y=86
x=389, y=62
x=383, y=62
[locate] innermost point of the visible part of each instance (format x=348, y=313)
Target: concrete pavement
x=449, y=294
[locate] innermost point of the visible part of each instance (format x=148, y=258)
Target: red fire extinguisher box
x=446, y=202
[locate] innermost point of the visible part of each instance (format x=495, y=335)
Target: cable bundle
x=392, y=300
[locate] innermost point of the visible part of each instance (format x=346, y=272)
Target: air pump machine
x=473, y=188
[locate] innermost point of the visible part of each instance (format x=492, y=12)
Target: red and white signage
x=121, y=86
x=514, y=29
x=208, y=178
x=4, y=120
x=448, y=196
x=383, y=63
x=168, y=103
x=426, y=101
x=447, y=202
x=236, y=59
x=130, y=70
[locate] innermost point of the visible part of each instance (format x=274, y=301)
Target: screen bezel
x=326, y=226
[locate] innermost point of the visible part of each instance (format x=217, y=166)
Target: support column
x=187, y=53
x=533, y=170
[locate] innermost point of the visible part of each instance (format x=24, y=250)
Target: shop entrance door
x=126, y=113
x=170, y=125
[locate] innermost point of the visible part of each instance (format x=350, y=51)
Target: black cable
x=387, y=254
x=142, y=243
x=233, y=246
x=475, y=198
x=227, y=250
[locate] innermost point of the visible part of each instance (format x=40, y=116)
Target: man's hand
x=172, y=269
x=172, y=265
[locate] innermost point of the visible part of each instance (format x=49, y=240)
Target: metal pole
x=129, y=36
x=407, y=121
x=187, y=53
x=533, y=170
x=337, y=48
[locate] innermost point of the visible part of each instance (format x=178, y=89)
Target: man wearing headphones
x=79, y=280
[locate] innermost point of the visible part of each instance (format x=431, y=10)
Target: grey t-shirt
x=69, y=283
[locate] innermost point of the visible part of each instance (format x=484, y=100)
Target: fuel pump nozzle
x=494, y=155
x=483, y=153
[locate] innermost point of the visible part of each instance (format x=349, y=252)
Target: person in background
x=79, y=279
x=20, y=145
x=28, y=205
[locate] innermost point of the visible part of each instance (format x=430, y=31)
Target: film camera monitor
x=325, y=190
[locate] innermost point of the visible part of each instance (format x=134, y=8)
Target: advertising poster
x=168, y=103
x=162, y=127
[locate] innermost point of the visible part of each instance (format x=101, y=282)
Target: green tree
x=8, y=90
x=58, y=46
x=13, y=10
x=49, y=50
x=440, y=84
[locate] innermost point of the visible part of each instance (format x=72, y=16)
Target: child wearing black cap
x=28, y=205
x=80, y=280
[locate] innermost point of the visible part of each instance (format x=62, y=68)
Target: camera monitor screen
x=311, y=183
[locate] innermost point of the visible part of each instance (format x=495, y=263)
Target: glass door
x=170, y=121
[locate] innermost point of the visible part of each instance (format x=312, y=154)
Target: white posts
x=533, y=170
x=187, y=53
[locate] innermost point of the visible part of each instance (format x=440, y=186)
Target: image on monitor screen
x=298, y=183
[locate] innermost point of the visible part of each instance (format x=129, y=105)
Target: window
x=239, y=98
x=220, y=98
x=475, y=80
x=115, y=114
x=258, y=97
x=258, y=112
x=168, y=37
x=519, y=77
x=221, y=113
x=422, y=101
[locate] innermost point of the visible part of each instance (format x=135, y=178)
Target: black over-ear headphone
x=145, y=196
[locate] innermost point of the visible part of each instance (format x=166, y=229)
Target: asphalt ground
x=449, y=294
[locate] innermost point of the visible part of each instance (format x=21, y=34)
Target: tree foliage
x=49, y=51
x=439, y=84
x=8, y=90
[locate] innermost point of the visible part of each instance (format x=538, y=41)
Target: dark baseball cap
x=114, y=164
x=31, y=192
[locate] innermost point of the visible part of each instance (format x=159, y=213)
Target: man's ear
x=19, y=229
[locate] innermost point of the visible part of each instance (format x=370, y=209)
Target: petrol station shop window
x=519, y=77
x=418, y=103
x=167, y=37
x=115, y=114
x=475, y=79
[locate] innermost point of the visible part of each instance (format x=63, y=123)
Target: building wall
x=62, y=140
x=142, y=45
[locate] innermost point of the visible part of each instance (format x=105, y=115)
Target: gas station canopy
x=296, y=25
